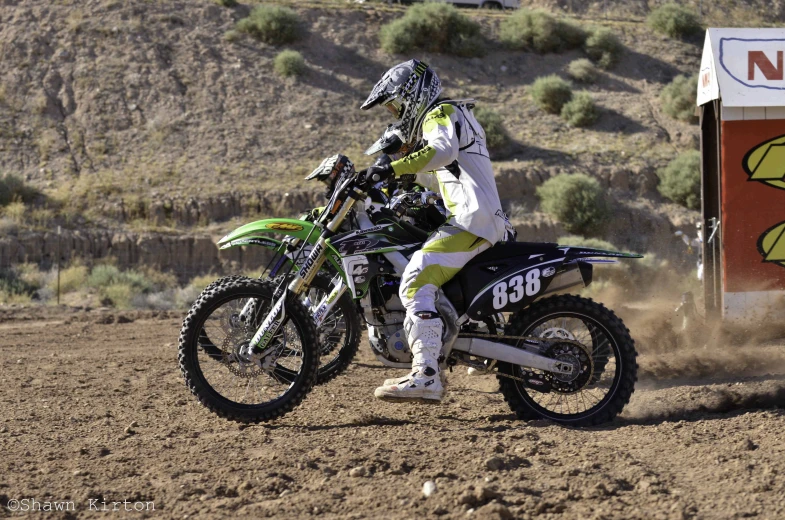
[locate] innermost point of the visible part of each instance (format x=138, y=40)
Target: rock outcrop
x=186, y=256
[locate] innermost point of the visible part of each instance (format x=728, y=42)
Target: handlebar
x=349, y=186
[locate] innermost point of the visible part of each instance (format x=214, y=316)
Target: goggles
x=395, y=107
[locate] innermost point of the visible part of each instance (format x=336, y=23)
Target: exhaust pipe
x=509, y=354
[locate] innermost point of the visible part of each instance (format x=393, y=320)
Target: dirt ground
x=98, y=410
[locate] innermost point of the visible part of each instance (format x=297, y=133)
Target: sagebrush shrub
x=30, y=273
x=582, y=70
x=202, y=281
x=72, y=278
x=104, y=275
x=680, y=181
x=289, y=63
x=551, y=93
x=15, y=212
x=679, y=97
x=495, y=135
x=577, y=201
x=271, y=24
x=227, y=3
x=580, y=111
x=119, y=294
x=13, y=188
x=538, y=30
x=13, y=286
x=434, y=27
x=674, y=20
x=603, y=47
x=232, y=35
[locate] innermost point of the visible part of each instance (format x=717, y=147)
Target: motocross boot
x=403, y=379
x=424, y=382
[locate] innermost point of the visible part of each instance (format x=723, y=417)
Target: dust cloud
x=671, y=346
x=720, y=369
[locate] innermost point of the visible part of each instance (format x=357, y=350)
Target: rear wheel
x=223, y=377
x=604, y=387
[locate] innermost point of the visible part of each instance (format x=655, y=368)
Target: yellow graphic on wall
x=766, y=162
x=772, y=245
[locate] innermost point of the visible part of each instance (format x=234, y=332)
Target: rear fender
x=528, y=279
x=517, y=286
x=257, y=234
x=577, y=253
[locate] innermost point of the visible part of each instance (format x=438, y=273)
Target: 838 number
x=516, y=289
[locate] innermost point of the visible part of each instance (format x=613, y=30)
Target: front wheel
x=223, y=377
x=339, y=334
x=593, y=397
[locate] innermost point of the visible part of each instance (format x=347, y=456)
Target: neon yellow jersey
x=455, y=156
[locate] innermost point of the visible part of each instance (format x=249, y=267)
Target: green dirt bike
x=336, y=315
x=563, y=357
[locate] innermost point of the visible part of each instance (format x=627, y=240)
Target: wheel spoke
x=225, y=329
x=598, y=346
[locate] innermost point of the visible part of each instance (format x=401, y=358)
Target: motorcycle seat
x=505, y=250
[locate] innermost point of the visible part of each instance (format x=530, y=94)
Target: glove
x=382, y=159
x=376, y=173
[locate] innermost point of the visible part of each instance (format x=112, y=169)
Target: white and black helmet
x=408, y=90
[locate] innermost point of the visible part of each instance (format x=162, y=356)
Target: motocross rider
x=442, y=142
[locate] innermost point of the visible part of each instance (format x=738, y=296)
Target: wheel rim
x=606, y=359
x=234, y=378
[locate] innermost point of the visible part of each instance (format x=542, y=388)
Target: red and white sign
x=745, y=67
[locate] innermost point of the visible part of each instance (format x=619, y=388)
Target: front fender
x=256, y=233
x=279, y=226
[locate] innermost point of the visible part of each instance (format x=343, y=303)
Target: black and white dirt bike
x=561, y=357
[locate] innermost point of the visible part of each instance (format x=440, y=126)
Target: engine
x=424, y=209
x=386, y=332
x=389, y=340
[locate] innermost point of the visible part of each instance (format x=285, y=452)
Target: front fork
x=302, y=280
x=329, y=300
x=275, y=318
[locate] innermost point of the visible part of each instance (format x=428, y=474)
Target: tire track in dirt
x=69, y=405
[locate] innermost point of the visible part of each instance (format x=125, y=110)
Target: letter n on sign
x=769, y=71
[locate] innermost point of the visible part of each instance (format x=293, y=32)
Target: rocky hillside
x=138, y=111
x=716, y=13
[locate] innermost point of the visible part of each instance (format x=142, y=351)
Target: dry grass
x=75, y=21
x=16, y=212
